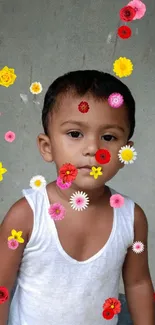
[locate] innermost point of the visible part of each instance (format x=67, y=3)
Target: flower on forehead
x=36, y=88
x=114, y=304
x=116, y=201
x=68, y=172
x=83, y=107
x=63, y=185
x=7, y=77
x=115, y=100
x=123, y=67
x=96, y=172
x=2, y=171
x=79, y=201
x=127, y=13
x=102, y=156
x=4, y=294
x=9, y=136
x=108, y=313
x=138, y=247
x=127, y=155
x=124, y=32
x=57, y=211
x=37, y=182
x=16, y=235
x=13, y=244
x=139, y=7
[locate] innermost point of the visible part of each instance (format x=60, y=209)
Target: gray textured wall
x=44, y=39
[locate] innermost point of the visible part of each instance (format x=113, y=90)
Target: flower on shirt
x=124, y=32
x=138, y=247
x=123, y=67
x=4, y=294
x=79, y=201
x=127, y=154
x=13, y=244
x=68, y=172
x=83, y=107
x=2, y=171
x=63, y=185
x=114, y=304
x=37, y=182
x=127, y=13
x=9, y=136
x=115, y=100
x=116, y=201
x=96, y=172
x=139, y=7
x=108, y=313
x=102, y=156
x=16, y=235
x=36, y=88
x=57, y=211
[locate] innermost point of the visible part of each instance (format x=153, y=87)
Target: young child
x=78, y=234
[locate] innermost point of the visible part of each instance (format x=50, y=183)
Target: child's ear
x=44, y=146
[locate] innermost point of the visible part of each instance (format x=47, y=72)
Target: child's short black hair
x=97, y=83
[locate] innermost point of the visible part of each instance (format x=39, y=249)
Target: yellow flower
x=36, y=88
x=2, y=171
x=17, y=236
x=127, y=155
x=123, y=67
x=96, y=172
x=7, y=77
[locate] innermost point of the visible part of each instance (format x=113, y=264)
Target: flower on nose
x=96, y=172
x=68, y=172
x=102, y=156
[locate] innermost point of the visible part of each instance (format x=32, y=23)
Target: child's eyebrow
x=106, y=126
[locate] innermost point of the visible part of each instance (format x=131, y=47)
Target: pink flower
x=10, y=136
x=115, y=100
x=57, y=211
x=62, y=184
x=116, y=201
x=139, y=7
x=13, y=244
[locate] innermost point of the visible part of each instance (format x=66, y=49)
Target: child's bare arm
x=19, y=218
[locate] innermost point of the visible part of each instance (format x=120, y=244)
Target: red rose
x=124, y=32
x=102, y=156
x=127, y=13
x=4, y=294
x=108, y=313
x=68, y=173
x=83, y=107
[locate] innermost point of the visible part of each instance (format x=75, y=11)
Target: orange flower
x=68, y=172
x=114, y=304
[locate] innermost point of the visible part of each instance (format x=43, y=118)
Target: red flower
x=102, y=156
x=108, y=313
x=124, y=32
x=83, y=107
x=4, y=294
x=68, y=173
x=114, y=304
x=127, y=13
x=154, y=296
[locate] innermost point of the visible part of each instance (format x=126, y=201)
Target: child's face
x=89, y=131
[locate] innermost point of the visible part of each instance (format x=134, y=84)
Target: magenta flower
x=9, y=136
x=13, y=244
x=116, y=201
x=115, y=100
x=57, y=211
x=62, y=184
x=139, y=7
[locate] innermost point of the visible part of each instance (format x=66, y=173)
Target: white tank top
x=55, y=289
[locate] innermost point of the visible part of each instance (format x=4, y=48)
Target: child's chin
x=88, y=184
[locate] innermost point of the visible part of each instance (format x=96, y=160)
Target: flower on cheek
x=127, y=13
x=116, y=201
x=102, y=156
x=96, y=172
x=57, y=211
x=114, y=304
x=127, y=155
x=10, y=136
x=79, y=201
x=139, y=7
x=68, y=172
x=138, y=247
x=63, y=185
x=4, y=294
x=108, y=313
x=124, y=32
x=83, y=107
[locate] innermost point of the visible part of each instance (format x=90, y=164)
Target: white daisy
x=138, y=247
x=37, y=182
x=79, y=201
x=127, y=154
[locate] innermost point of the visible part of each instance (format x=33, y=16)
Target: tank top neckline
x=59, y=246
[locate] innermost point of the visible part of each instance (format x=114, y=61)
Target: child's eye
x=74, y=134
x=108, y=137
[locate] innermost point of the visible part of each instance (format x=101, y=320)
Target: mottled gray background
x=44, y=39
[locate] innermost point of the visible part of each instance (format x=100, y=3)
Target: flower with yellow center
x=36, y=88
x=37, y=182
x=2, y=171
x=7, y=77
x=127, y=155
x=123, y=67
x=96, y=172
x=17, y=236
